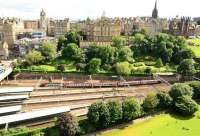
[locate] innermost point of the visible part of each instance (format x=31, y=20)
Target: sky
x=81, y=9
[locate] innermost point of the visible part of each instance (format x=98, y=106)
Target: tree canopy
x=34, y=57
x=123, y=68
x=94, y=65
x=186, y=67
x=73, y=52
x=49, y=51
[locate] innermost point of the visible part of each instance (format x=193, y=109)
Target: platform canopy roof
x=15, y=89
x=33, y=115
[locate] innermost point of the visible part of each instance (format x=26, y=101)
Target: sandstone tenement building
x=183, y=26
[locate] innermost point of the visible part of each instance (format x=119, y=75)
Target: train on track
x=101, y=85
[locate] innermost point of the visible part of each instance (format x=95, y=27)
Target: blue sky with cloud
x=79, y=9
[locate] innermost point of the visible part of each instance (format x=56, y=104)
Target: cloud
x=93, y=8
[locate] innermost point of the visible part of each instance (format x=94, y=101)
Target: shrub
x=186, y=67
x=61, y=68
x=179, y=90
x=150, y=102
x=149, y=63
x=115, y=109
x=93, y=113
x=123, y=68
x=107, y=67
x=159, y=63
x=98, y=115
x=34, y=57
x=86, y=127
x=186, y=106
x=80, y=66
x=67, y=124
x=139, y=70
x=196, y=89
x=138, y=64
x=131, y=109
x=94, y=65
x=165, y=100
x=148, y=71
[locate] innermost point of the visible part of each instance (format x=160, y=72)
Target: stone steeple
x=42, y=21
x=155, y=11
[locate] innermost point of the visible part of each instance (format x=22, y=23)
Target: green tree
x=151, y=102
x=180, y=41
x=73, y=52
x=73, y=37
x=186, y=106
x=186, y=67
x=94, y=66
x=98, y=115
x=34, y=57
x=62, y=42
x=67, y=125
x=115, y=109
x=196, y=89
x=131, y=109
x=165, y=100
x=93, y=114
x=123, y=68
x=48, y=51
x=180, y=90
x=183, y=54
x=105, y=52
x=125, y=54
x=159, y=63
x=118, y=41
x=143, y=31
x=139, y=38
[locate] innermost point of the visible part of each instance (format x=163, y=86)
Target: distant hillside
x=196, y=18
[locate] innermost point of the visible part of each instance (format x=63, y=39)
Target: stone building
x=31, y=25
x=58, y=28
x=102, y=30
x=183, y=26
x=135, y=24
x=43, y=22
x=37, y=25
x=4, y=53
x=9, y=28
x=152, y=25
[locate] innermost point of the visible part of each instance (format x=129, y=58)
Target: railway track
x=80, y=99
x=64, y=93
x=50, y=98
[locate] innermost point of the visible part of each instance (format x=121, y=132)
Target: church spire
x=155, y=5
x=155, y=11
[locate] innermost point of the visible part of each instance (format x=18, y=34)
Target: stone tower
x=42, y=20
x=155, y=11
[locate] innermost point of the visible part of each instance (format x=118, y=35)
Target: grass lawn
x=161, y=125
x=195, y=49
x=195, y=41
